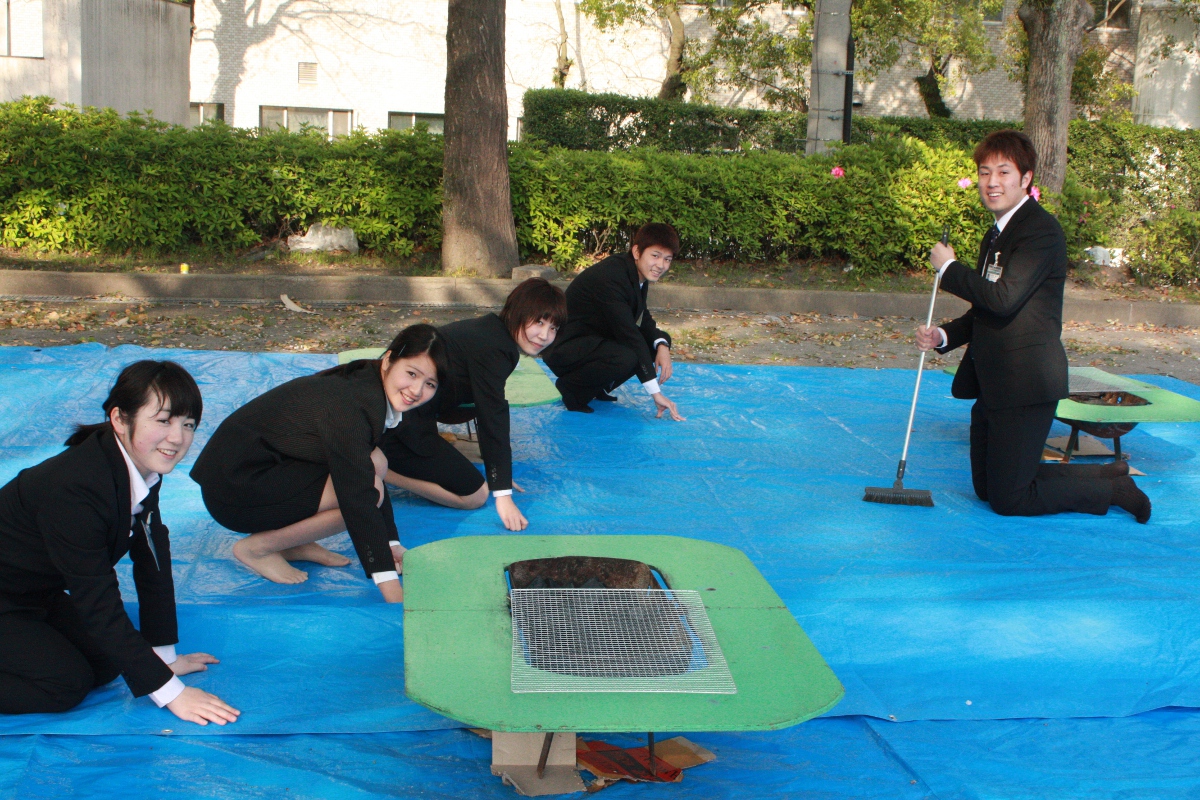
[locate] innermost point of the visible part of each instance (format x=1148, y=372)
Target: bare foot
x=316, y=554
x=272, y=566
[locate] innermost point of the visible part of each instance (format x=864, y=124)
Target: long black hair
x=421, y=339
x=144, y=382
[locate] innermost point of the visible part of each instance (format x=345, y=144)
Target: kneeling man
x=1014, y=367
x=610, y=336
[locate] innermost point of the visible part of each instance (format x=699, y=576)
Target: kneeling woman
x=481, y=354
x=301, y=463
x=65, y=523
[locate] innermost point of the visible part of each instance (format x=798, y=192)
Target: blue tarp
x=951, y=613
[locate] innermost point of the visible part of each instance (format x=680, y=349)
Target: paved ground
x=710, y=337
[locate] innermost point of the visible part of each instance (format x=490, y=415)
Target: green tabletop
x=527, y=386
x=458, y=639
x=1163, y=405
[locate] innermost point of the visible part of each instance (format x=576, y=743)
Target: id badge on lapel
x=993, y=271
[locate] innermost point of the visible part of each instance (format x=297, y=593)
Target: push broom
x=897, y=495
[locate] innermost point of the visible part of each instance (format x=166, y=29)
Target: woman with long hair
x=301, y=463
x=481, y=354
x=65, y=523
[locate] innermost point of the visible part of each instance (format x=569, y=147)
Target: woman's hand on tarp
x=198, y=706
x=192, y=662
x=392, y=591
x=510, y=515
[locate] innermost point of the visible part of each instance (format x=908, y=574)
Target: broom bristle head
x=898, y=497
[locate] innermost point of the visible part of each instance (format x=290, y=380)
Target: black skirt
x=443, y=465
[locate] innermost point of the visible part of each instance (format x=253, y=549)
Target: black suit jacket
x=606, y=300
x=1013, y=329
x=64, y=524
x=481, y=355
x=335, y=419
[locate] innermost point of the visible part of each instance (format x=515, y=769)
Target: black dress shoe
x=582, y=408
x=606, y=397
x=571, y=400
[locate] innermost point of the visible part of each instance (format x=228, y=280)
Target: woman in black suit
x=481, y=354
x=65, y=523
x=301, y=463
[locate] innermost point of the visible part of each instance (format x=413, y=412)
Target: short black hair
x=533, y=300
x=1013, y=145
x=656, y=234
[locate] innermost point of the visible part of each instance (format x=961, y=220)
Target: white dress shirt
x=1000, y=223
x=139, y=489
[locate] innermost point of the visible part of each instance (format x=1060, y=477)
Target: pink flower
x=837, y=172
x=965, y=183
x=1035, y=193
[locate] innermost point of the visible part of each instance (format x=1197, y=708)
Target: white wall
x=135, y=56
x=57, y=72
x=1168, y=89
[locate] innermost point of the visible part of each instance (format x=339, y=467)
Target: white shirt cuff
x=502, y=493
x=945, y=341
x=169, y=691
x=657, y=342
x=947, y=263
x=384, y=577
x=652, y=386
x=167, y=653
x=394, y=543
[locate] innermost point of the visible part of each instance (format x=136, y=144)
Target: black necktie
x=989, y=241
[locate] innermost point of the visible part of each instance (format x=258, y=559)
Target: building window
x=402, y=121
x=993, y=11
x=1116, y=12
x=306, y=73
x=335, y=122
x=200, y=113
x=21, y=28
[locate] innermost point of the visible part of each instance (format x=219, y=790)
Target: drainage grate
x=615, y=640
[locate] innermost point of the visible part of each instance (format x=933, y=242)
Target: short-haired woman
x=65, y=523
x=301, y=463
x=481, y=354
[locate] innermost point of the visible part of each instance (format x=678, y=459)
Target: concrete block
x=534, y=271
x=322, y=239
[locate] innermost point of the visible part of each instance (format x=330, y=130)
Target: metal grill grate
x=615, y=640
x=1080, y=384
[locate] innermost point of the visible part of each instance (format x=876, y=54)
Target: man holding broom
x=1014, y=367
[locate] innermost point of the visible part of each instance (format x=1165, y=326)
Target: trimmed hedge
x=93, y=180
x=581, y=121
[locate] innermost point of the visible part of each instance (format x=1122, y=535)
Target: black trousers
x=444, y=466
x=1006, y=468
x=590, y=365
x=48, y=661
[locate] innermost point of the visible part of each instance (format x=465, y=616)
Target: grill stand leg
x=650, y=747
x=541, y=767
x=1117, y=448
x=1072, y=445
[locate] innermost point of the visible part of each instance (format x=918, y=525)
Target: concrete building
x=130, y=55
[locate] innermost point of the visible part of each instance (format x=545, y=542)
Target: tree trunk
x=563, y=64
x=673, y=87
x=1055, y=29
x=478, y=234
x=931, y=93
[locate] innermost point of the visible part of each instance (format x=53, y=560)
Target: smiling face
x=652, y=262
x=154, y=440
x=409, y=382
x=536, y=336
x=1001, y=185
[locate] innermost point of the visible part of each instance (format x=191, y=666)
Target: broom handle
x=912, y=412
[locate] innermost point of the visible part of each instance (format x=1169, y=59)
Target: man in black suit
x=610, y=335
x=1015, y=367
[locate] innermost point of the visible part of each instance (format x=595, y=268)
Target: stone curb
x=490, y=293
